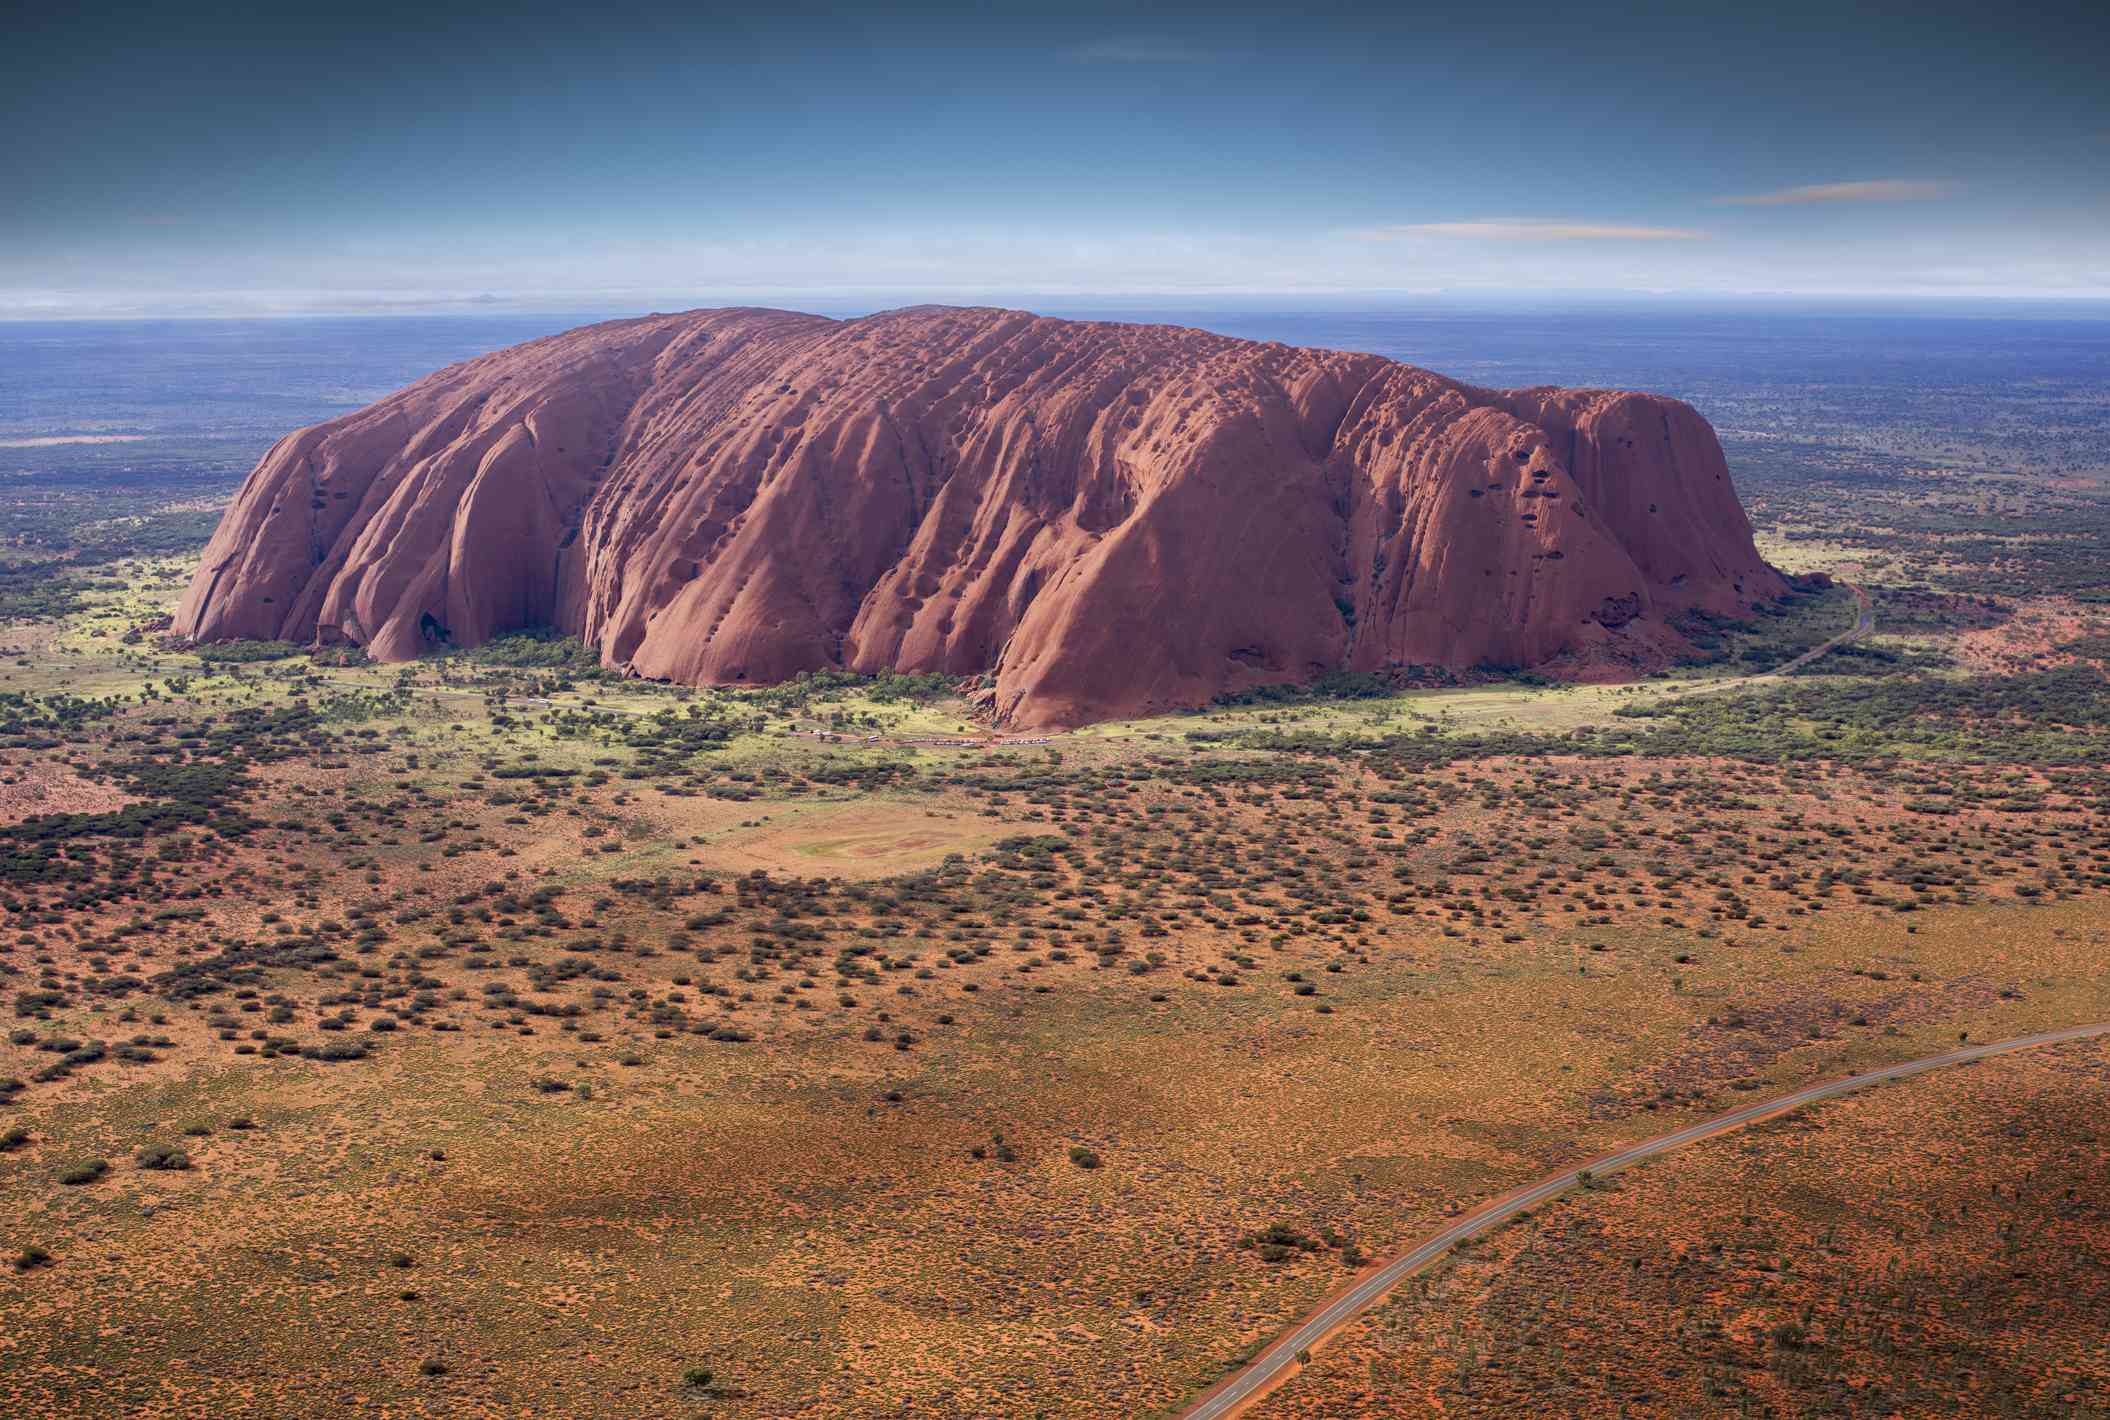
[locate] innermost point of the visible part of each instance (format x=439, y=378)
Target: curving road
x=1278, y=1362
x=1864, y=622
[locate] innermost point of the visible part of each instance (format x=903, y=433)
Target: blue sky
x=209, y=158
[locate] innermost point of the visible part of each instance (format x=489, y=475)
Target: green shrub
x=243, y=652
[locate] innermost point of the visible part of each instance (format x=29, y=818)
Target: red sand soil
x=32, y=787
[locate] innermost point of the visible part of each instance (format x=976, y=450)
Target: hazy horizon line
x=613, y=304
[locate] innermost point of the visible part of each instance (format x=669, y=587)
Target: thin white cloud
x=1874, y=190
x=1138, y=51
x=1530, y=229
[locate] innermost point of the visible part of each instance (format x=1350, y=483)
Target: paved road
x=1864, y=622
x=1274, y=1365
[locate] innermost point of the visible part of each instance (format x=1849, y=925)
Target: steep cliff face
x=1108, y=520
